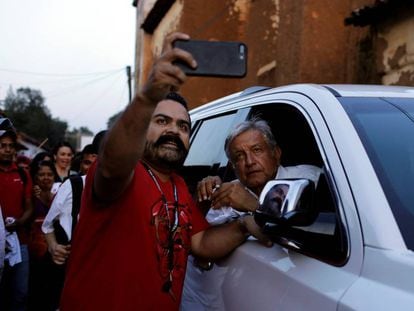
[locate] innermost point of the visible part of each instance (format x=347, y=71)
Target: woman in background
x=63, y=154
x=44, y=180
x=44, y=190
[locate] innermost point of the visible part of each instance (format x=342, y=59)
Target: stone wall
x=395, y=43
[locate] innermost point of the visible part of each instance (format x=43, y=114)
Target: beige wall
x=289, y=41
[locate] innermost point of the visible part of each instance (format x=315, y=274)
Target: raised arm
x=125, y=141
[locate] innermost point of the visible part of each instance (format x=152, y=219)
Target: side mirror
x=288, y=202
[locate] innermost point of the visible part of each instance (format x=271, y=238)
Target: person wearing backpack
x=62, y=218
x=17, y=207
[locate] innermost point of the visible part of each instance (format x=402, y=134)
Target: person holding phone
x=138, y=221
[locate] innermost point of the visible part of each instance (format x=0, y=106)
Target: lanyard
x=172, y=226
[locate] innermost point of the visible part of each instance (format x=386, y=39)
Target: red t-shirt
x=13, y=192
x=119, y=258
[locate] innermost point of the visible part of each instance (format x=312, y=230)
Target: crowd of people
x=31, y=278
x=140, y=238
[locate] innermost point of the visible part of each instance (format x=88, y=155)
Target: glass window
x=326, y=238
x=386, y=128
x=206, y=155
x=207, y=146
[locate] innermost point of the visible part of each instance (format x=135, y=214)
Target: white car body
x=377, y=271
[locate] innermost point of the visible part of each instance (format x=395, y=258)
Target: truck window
x=206, y=155
x=326, y=238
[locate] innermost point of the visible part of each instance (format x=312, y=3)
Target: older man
x=255, y=157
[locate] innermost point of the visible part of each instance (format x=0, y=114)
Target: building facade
x=388, y=48
x=300, y=41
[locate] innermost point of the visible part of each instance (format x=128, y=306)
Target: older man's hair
x=252, y=124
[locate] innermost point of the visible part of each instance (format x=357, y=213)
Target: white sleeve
x=311, y=172
x=300, y=171
x=61, y=205
x=222, y=215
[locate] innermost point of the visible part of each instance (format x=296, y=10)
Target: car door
x=286, y=277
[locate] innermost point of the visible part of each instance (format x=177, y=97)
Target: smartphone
x=215, y=58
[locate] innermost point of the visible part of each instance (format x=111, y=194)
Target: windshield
x=386, y=128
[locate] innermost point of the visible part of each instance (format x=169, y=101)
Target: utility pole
x=128, y=72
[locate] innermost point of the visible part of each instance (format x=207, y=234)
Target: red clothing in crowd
x=13, y=192
x=119, y=258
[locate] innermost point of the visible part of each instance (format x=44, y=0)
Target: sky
x=74, y=51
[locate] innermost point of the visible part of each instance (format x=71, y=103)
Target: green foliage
x=112, y=119
x=85, y=131
x=29, y=114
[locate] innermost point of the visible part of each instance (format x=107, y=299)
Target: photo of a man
x=273, y=202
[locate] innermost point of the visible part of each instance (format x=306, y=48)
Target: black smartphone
x=215, y=58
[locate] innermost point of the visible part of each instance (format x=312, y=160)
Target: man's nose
x=249, y=159
x=172, y=128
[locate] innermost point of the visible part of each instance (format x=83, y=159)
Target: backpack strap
x=77, y=188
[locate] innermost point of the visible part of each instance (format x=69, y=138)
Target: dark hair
x=97, y=140
x=76, y=160
x=177, y=98
x=47, y=163
x=37, y=159
x=62, y=144
x=88, y=149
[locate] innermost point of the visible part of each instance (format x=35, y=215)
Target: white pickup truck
x=358, y=253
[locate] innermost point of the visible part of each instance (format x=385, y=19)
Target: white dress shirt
x=202, y=289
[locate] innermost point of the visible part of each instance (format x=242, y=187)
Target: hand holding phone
x=215, y=58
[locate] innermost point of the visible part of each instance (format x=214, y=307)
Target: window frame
x=290, y=238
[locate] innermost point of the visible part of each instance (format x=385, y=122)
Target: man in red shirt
x=138, y=221
x=16, y=206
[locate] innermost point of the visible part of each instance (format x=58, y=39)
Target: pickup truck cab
x=358, y=253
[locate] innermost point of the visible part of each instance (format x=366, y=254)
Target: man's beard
x=166, y=157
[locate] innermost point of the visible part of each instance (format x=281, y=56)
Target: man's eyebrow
x=256, y=145
x=161, y=115
x=169, y=118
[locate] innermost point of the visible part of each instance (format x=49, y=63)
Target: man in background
x=17, y=208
